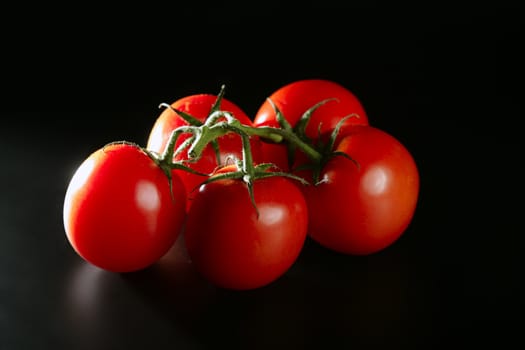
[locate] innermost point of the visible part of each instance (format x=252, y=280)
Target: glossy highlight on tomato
x=119, y=213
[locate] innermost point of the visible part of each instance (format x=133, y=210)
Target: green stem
x=170, y=147
x=205, y=136
x=272, y=133
x=247, y=158
x=210, y=131
x=248, y=168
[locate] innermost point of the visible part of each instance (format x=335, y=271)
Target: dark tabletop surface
x=446, y=81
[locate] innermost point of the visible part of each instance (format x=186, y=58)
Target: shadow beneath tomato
x=173, y=286
x=103, y=308
x=330, y=300
x=382, y=299
x=326, y=299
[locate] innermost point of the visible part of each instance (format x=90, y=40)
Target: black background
x=446, y=80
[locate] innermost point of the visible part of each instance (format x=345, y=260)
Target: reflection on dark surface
x=325, y=299
x=85, y=293
x=89, y=305
x=103, y=306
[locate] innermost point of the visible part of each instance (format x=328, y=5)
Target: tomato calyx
x=327, y=151
x=246, y=171
x=295, y=138
x=299, y=130
x=167, y=165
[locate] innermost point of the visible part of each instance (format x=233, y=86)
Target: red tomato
x=118, y=211
x=295, y=98
x=233, y=247
x=363, y=209
x=230, y=145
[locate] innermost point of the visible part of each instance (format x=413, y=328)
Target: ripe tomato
x=361, y=209
x=295, y=98
x=235, y=248
x=118, y=211
x=199, y=106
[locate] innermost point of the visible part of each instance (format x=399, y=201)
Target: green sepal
x=231, y=175
x=180, y=166
x=283, y=174
x=333, y=135
x=217, y=104
x=343, y=154
x=283, y=123
x=165, y=167
x=302, y=123
x=186, y=116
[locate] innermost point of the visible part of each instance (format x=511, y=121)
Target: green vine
x=219, y=123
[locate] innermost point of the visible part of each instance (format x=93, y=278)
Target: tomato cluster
x=246, y=192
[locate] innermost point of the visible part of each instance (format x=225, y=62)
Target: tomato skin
x=233, y=248
x=295, y=98
x=118, y=211
x=230, y=145
x=362, y=210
